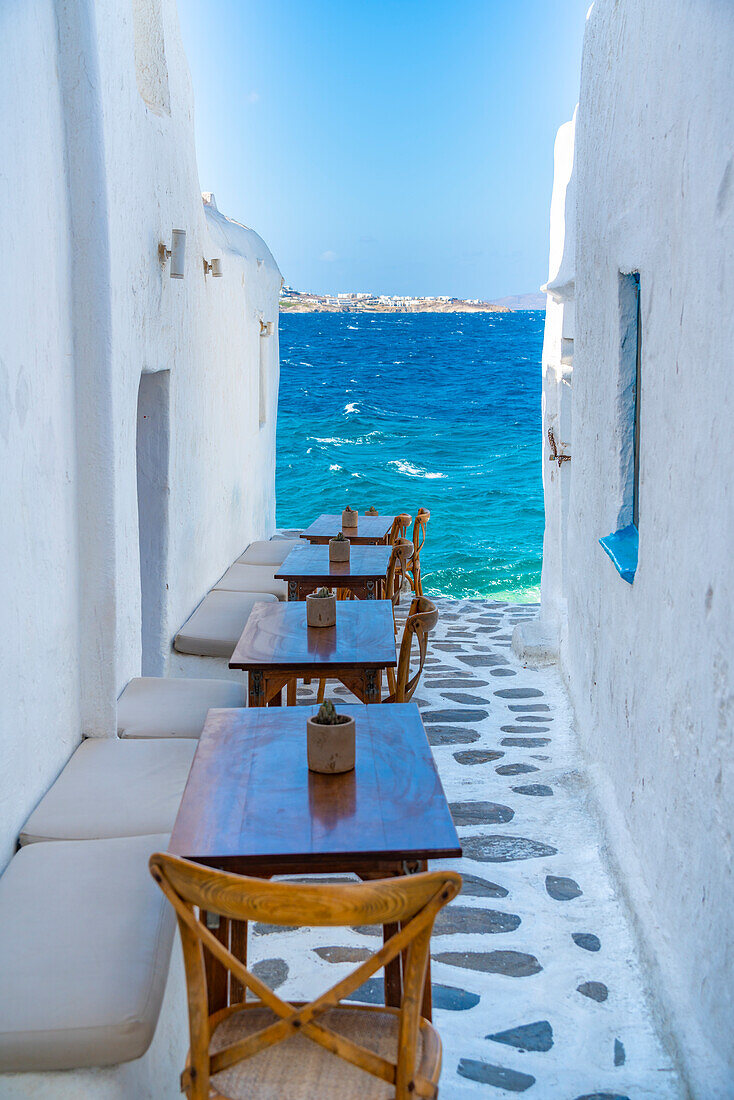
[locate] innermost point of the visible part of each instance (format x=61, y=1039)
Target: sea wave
x=352, y=407
x=408, y=468
x=335, y=466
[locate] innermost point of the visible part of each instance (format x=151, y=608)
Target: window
x=622, y=545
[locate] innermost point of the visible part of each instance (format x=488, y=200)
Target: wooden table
x=251, y=806
x=364, y=574
x=370, y=530
x=277, y=648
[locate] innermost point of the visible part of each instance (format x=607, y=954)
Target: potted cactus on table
x=321, y=608
x=350, y=517
x=330, y=741
x=372, y=511
x=339, y=548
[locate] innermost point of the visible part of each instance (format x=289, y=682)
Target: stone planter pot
x=339, y=549
x=331, y=749
x=320, y=610
x=350, y=519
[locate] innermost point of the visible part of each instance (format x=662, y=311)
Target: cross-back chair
x=421, y=620
x=419, y=537
x=399, y=529
x=271, y=1048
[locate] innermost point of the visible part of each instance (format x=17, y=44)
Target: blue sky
x=393, y=146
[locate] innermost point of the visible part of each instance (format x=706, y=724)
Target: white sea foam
x=408, y=468
x=352, y=407
x=336, y=466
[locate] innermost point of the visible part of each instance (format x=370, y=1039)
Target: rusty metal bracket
x=556, y=455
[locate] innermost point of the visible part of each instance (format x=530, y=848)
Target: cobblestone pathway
x=536, y=984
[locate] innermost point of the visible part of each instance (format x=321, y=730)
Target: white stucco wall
x=651, y=665
x=94, y=178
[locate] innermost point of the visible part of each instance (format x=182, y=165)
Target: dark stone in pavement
x=455, y=714
x=516, y=769
x=502, y=672
x=472, y=886
x=372, y=992
x=482, y=660
x=539, y=790
x=343, y=954
x=526, y=706
x=479, y=756
x=524, y=742
x=537, y=1036
x=519, y=693
x=470, y=921
x=451, y=735
x=603, y=1096
x=271, y=971
x=619, y=1053
x=513, y=964
x=467, y=700
x=532, y=730
x=562, y=889
x=268, y=929
x=525, y=718
x=504, y=849
x=457, y=682
x=510, y=1079
x=587, y=940
x=597, y=991
x=480, y=813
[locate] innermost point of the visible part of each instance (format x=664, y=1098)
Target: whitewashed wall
x=94, y=177
x=651, y=665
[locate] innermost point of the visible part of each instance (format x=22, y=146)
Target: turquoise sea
x=403, y=410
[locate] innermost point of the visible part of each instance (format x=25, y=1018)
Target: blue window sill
x=621, y=546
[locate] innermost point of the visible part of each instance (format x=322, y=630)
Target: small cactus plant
x=327, y=715
x=348, y=509
x=372, y=511
x=323, y=593
x=338, y=537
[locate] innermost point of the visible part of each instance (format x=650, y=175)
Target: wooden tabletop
x=276, y=637
x=312, y=563
x=370, y=529
x=251, y=804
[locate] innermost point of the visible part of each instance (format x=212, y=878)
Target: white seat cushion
x=161, y=706
x=252, y=578
x=273, y=552
x=84, y=953
x=113, y=788
x=216, y=626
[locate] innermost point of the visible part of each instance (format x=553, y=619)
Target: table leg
x=372, y=680
x=238, y=947
x=256, y=688
x=216, y=974
x=393, y=974
x=277, y=699
x=291, y=697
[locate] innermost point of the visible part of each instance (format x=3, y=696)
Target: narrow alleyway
x=536, y=982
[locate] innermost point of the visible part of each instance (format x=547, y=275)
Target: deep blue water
x=403, y=410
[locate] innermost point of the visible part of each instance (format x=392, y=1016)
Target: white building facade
x=638, y=392
x=136, y=456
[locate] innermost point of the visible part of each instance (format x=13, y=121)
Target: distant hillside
x=522, y=301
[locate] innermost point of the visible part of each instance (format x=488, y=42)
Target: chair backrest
x=422, y=618
x=400, y=559
x=412, y=900
x=419, y=537
x=399, y=527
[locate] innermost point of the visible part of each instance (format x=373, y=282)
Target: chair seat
x=252, y=578
x=84, y=954
x=300, y=1069
x=272, y=552
x=161, y=706
x=111, y=788
x=216, y=626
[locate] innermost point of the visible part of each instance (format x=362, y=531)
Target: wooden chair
x=422, y=618
x=400, y=559
x=419, y=537
x=271, y=1048
x=399, y=529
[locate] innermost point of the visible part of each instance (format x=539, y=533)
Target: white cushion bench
x=84, y=956
x=252, y=578
x=160, y=706
x=215, y=627
x=272, y=552
x=112, y=788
